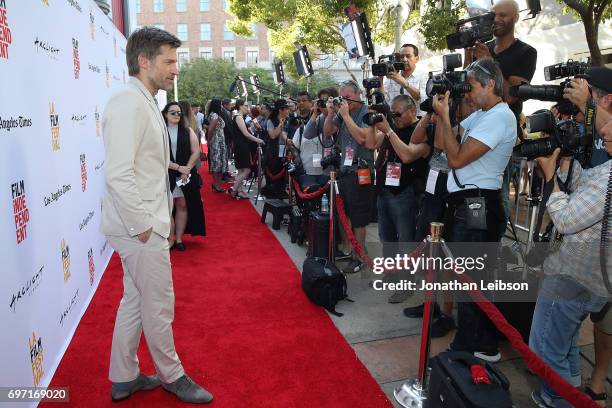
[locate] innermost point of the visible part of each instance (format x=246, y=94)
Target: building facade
x=202, y=26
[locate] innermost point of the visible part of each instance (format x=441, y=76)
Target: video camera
x=553, y=93
x=564, y=134
x=480, y=29
x=448, y=80
x=386, y=64
x=376, y=101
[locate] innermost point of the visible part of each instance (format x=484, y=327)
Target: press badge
x=349, y=155
x=316, y=160
x=394, y=172
x=432, y=178
x=281, y=150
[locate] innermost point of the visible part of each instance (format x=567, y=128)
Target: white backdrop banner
x=59, y=63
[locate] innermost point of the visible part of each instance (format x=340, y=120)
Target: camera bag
x=323, y=283
x=451, y=384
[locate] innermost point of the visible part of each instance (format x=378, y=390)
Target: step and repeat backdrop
x=60, y=60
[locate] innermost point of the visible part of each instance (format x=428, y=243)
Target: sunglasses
x=475, y=65
x=175, y=113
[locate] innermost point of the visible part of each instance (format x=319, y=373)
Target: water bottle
x=324, y=204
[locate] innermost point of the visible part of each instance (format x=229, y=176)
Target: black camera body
x=565, y=69
x=294, y=120
x=372, y=118
x=387, y=64
x=334, y=159
x=372, y=83
x=321, y=103
x=564, y=134
x=480, y=29
x=448, y=80
x=553, y=93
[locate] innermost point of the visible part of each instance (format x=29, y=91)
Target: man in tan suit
x=136, y=212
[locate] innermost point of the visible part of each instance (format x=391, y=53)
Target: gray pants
x=147, y=304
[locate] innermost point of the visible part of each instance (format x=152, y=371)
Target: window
x=229, y=55
x=181, y=5
x=181, y=32
x=160, y=26
x=204, y=5
x=137, y=6
x=182, y=57
x=225, y=5
x=252, y=57
x=158, y=6
x=206, y=54
x=227, y=33
x=205, y=32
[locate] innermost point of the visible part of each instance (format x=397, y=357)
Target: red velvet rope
x=571, y=394
x=277, y=176
x=309, y=196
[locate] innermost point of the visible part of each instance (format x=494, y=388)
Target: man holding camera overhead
x=409, y=81
x=475, y=209
x=355, y=182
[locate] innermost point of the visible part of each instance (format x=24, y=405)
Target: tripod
x=413, y=393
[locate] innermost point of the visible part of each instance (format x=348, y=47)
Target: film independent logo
x=36, y=358
x=55, y=128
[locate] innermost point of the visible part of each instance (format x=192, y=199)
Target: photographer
x=573, y=285
x=477, y=165
x=409, y=81
x=346, y=118
x=400, y=177
x=309, y=143
x=275, y=149
x=598, y=87
x=298, y=119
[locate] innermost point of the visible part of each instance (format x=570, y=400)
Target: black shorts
x=358, y=199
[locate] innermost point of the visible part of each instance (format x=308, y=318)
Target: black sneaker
x=442, y=325
x=341, y=255
x=417, y=311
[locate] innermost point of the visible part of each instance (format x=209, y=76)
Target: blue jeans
x=561, y=307
x=307, y=180
x=396, y=218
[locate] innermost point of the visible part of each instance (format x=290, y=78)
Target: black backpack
x=324, y=284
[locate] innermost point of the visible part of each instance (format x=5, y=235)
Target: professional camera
x=371, y=83
x=566, y=69
x=294, y=120
x=337, y=101
x=386, y=64
x=448, y=80
x=480, y=29
x=294, y=164
x=553, y=93
x=333, y=159
x=372, y=118
x=564, y=134
x=321, y=103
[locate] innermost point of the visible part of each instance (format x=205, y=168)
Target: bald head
x=506, y=16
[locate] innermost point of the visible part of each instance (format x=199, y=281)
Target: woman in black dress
x=242, y=150
x=184, y=152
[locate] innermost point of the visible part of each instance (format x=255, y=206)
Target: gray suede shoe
x=120, y=391
x=188, y=391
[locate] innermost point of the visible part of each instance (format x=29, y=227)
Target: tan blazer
x=137, y=194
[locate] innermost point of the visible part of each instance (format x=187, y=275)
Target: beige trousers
x=147, y=304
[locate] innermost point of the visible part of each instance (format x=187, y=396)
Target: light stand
x=413, y=393
x=259, y=174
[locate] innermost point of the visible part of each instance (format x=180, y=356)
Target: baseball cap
x=600, y=77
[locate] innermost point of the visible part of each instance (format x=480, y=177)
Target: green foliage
x=606, y=12
x=204, y=79
x=314, y=23
x=438, y=22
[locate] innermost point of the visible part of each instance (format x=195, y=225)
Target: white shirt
x=417, y=79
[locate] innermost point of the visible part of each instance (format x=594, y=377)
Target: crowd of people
x=412, y=167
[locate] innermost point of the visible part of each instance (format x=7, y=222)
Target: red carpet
x=243, y=327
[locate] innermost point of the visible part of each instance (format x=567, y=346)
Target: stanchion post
x=332, y=209
x=259, y=173
x=413, y=393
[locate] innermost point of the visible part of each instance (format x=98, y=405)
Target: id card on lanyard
x=394, y=173
x=349, y=155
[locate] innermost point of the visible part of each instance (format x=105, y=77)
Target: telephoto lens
x=372, y=118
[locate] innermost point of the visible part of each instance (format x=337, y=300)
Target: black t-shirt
x=517, y=60
x=411, y=173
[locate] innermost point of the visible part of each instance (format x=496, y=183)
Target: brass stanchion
x=332, y=209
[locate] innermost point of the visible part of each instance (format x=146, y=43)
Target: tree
x=592, y=13
x=203, y=79
x=438, y=22
x=315, y=23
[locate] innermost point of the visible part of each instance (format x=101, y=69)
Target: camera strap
x=589, y=126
